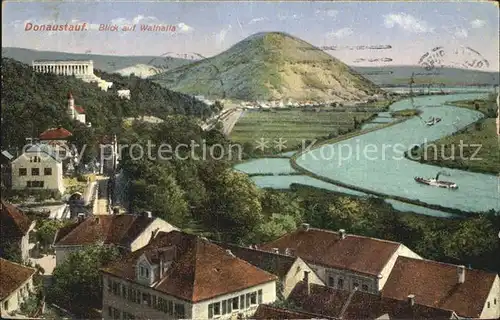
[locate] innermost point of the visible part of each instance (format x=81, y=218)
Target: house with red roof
x=54, y=134
x=57, y=138
x=74, y=111
x=343, y=261
x=327, y=302
x=184, y=276
x=470, y=293
x=15, y=227
x=16, y=284
x=127, y=232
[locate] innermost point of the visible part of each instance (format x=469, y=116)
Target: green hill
x=270, y=65
x=33, y=102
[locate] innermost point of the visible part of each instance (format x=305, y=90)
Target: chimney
x=96, y=220
x=288, y=251
x=230, y=253
x=306, y=281
x=411, y=300
x=461, y=274
x=276, y=250
x=342, y=234
x=305, y=226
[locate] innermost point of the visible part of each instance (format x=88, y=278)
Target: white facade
x=124, y=94
x=81, y=69
x=296, y=274
x=347, y=279
x=14, y=300
x=24, y=245
x=38, y=168
x=491, y=309
x=117, y=302
x=201, y=310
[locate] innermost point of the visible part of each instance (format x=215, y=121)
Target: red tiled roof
x=327, y=248
x=331, y=302
x=265, y=311
x=436, y=284
x=274, y=263
x=12, y=276
x=13, y=222
x=79, y=109
x=111, y=229
x=55, y=133
x=200, y=270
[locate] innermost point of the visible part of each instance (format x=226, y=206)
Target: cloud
x=289, y=17
x=341, y=33
x=221, y=36
x=406, y=22
x=461, y=33
x=328, y=13
x=456, y=32
x=255, y=20
x=477, y=23
x=184, y=28
x=135, y=20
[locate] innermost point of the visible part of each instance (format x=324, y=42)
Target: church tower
x=71, y=106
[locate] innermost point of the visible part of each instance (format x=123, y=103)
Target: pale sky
x=208, y=28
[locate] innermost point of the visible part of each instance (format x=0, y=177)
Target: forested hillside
x=33, y=102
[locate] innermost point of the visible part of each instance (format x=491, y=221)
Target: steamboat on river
x=435, y=182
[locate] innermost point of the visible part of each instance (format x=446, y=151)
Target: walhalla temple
x=82, y=69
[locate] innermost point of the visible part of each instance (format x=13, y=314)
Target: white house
x=38, y=168
x=342, y=260
x=16, y=284
x=182, y=276
x=124, y=94
x=127, y=232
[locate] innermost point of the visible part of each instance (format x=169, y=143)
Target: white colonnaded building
x=82, y=69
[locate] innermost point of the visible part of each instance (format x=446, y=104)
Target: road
x=101, y=205
x=230, y=120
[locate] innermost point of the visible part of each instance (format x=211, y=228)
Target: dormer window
x=144, y=272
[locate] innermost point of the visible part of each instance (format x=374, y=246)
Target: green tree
x=46, y=230
x=275, y=227
x=235, y=210
x=76, y=282
x=11, y=251
x=473, y=238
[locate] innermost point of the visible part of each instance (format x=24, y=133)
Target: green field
x=294, y=126
x=487, y=160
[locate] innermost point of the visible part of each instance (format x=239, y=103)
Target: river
x=375, y=161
